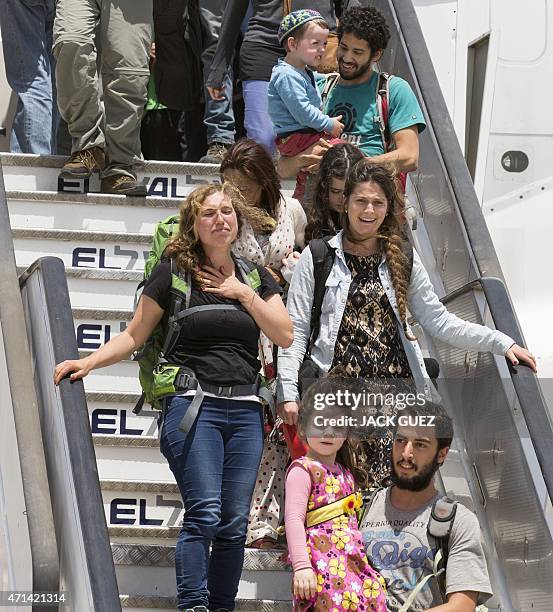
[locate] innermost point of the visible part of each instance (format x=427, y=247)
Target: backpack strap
x=383, y=108
x=440, y=523
x=323, y=259
x=439, y=526
x=180, y=303
x=407, y=249
x=330, y=82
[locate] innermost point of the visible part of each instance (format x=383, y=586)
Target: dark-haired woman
x=215, y=463
x=363, y=323
x=323, y=217
x=250, y=168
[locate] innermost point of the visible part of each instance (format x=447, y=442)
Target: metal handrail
x=39, y=515
x=70, y=457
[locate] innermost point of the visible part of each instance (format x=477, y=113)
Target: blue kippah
x=294, y=20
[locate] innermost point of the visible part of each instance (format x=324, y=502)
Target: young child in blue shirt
x=293, y=97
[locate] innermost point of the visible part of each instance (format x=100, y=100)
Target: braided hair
x=390, y=234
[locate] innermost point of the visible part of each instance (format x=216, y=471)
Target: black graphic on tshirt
x=349, y=115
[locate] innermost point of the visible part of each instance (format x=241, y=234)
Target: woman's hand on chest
x=225, y=285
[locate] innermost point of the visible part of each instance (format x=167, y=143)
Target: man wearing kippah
x=294, y=101
x=363, y=36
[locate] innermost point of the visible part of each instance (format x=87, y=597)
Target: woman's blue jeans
x=215, y=466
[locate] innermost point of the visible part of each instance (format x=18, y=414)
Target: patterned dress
x=345, y=580
x=369, y=345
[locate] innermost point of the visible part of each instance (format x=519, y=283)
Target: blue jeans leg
x=218, y=114
x=215, y=466
x=257, y=122
x=27, y=42
x=243, y=448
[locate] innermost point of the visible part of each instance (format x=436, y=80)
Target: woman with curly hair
x=215, y=464
x=323, y=217
x=363, y=318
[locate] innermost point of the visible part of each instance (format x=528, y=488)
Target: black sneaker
x=216, y=151
x=122, y=184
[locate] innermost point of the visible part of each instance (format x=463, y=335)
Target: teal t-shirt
x=357, y=105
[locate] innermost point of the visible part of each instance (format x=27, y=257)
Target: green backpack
x=157, y=376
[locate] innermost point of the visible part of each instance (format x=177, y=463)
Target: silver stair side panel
x=508, y=474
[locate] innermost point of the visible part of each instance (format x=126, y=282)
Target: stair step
x=145, y=463
x=95, y=326
x=95, y=289
x=139, y=486
x=114, y=397
x=140, y=531
x=163, y=179
x=92, y=212
x=146, y=604
x=79, y=235
x=79, y=248
x=164, y=556
x=139, y=441
x=111, y=416
x=148, y=570
x=86, y=352
x=102, y=314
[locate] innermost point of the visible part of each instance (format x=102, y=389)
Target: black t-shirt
x=220, y=346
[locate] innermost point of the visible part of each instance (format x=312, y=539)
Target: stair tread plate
x=152, y=167
x=153, y=486
x=97, y=274
x=116, y=396
x=164, y=556
x=80, y=235
x=100, y=439
x=47, y=197
x=103, y=314
x=162, y=603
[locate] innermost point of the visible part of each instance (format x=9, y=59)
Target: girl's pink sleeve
x=298, y=489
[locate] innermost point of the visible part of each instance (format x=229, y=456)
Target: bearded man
x=396, y=527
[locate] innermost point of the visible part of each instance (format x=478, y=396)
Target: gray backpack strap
x=179, y=304
x=183, y=314
x=440, y=523
x=330, y=82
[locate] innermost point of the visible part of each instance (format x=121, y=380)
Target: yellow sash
x=346, y=505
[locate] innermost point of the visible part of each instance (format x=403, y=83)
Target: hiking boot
x=82, y=164
x=215, y=153
x=122, y=184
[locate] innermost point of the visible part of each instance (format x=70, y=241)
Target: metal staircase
x=103, y=242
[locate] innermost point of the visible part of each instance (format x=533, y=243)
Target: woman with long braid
x=374, y=280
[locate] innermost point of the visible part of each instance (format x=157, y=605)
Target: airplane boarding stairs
x=500, y=463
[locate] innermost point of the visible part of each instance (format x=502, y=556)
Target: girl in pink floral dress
x=331, y=570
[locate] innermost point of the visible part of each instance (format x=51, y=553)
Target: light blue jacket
x=294, y=102
x=422, y=302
